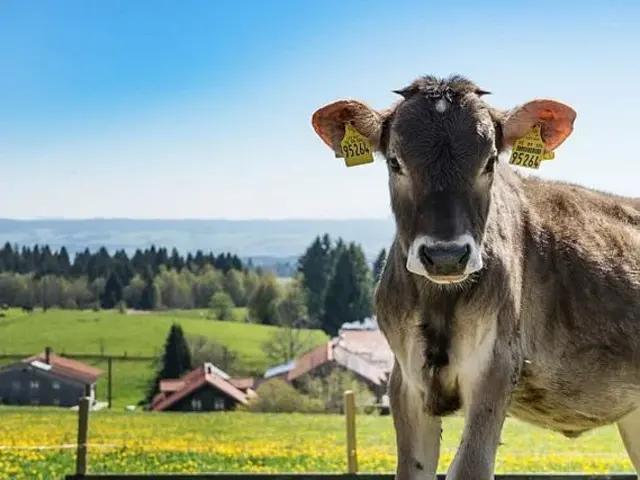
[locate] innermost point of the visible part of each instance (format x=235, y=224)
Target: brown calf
x=501, y=293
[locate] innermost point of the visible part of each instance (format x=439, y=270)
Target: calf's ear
x=556, y=120
x=329, y=122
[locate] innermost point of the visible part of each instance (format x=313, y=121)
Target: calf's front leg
x=487, y=402
x=417, y=433
x=629, y=428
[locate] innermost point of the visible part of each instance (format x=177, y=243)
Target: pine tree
x=378, y=265
x=176, y=261
x=150, y=296
x=175, y=361
x=315, y=265
x=349, y=293
x=64, y=263
x=112, y=292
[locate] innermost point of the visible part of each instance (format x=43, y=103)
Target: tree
x=222, y=305
x=175, y=360
x=293, y=336
x=378, y=265
x=63, y=262
x=251, y=282
x=132, y=293
x=112, y=292
x=150, y=296
x=315, y=265
x=234, y=285
x=263, y=304
x=205, y=350
x=349, y=293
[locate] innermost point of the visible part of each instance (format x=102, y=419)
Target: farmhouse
x=47, y=379
x=207, y=388
x=363, y=352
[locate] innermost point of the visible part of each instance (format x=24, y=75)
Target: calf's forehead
x=426, y=130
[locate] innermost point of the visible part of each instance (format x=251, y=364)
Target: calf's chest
x=447, y=388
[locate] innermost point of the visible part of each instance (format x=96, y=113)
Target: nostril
x=423, y=254
x=465, y=256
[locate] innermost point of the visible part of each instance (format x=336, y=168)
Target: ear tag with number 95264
x=356, y=148
x=529, y=150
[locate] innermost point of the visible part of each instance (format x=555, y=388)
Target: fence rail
x=85, y=356
x=329, y=476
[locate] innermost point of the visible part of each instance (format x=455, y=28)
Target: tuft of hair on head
x=452, y=88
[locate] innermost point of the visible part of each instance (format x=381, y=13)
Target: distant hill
x=266, y=242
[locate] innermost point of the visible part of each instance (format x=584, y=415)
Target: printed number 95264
x=355, y=149
x=525, y=159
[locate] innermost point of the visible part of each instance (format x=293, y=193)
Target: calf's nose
x=445, y=259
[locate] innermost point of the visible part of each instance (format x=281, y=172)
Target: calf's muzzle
x=448, y=259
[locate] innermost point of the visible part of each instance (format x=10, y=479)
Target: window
x=218, y=403
x=15, y=385
x=35, y=401
x=56, y=401
x=55, y=385
x=35, y=384
x=196, y=404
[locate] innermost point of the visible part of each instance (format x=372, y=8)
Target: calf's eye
x=489, y=167
x=394, y=165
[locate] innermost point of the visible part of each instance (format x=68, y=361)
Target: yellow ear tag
x=356, y=148
x=529, y=150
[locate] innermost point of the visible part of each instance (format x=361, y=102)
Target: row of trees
x=333, y=283
x=169, y=289
x=41, y=260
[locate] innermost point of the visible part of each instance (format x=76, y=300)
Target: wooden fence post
x=109, y=381
x=350, y=417
x=83, y=427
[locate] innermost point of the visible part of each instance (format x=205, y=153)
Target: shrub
x=222, y=306
x=278, y=396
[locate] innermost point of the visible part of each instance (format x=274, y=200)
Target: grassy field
x=111, y=332
x=245, y=442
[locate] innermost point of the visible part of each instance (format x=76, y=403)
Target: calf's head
x=441, y=142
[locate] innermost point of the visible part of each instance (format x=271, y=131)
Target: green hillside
x=143, y=334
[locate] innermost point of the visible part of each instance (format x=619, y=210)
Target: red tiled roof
x=67, y=367
x=310, y=360
x=193, y=381
x=193, y=374
x=158, y=397
x=339, y=350
x=171, y=385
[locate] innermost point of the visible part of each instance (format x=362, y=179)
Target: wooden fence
x=351, y=461
x=328, y=476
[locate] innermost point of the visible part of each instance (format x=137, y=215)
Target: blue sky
x=201, y=109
